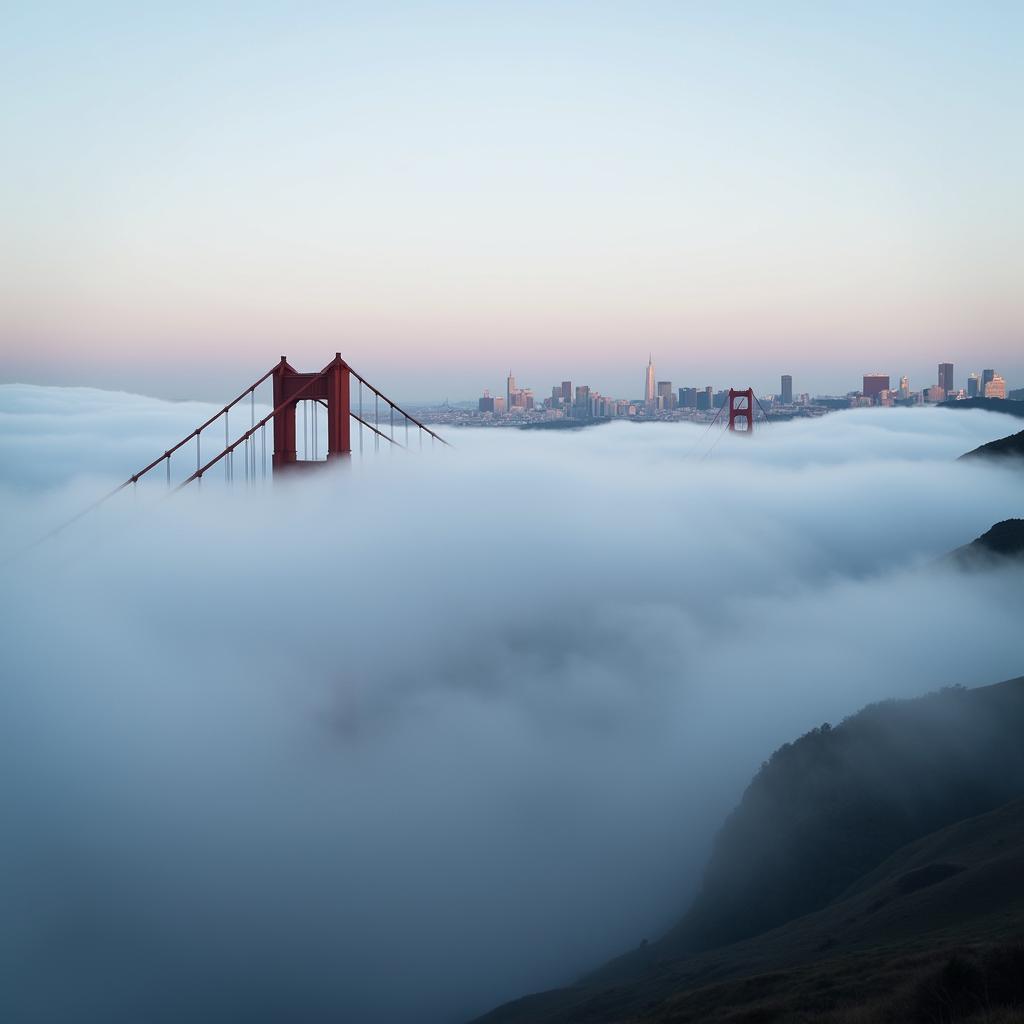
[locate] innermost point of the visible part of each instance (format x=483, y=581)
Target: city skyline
x=971, y=383
x=435, y=194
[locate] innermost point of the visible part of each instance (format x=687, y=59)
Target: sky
x=445, y=191
x=387, y=745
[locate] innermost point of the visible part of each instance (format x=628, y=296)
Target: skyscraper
x=875, y=384
x=986, y=379
x=787, y=389
x=946, y=377
x=973, y=389
x=996, y=387
x=566, y=392
x=649, y=391
x=665, y=395
x=510, y=390
x=904, y=387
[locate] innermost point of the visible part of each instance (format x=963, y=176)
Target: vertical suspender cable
x=360, y=417
x=227, y=464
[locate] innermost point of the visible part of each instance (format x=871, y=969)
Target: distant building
x=666, y=400
x=973, y=386
x=996, y=387
x=566, y=392
x=486, y=404
x=904, y=388
x=688, y=398
x=935, y=394
x=986, y=379
x=787, y=389
x=875, y=384
x=510, y=390
x=499, y=406
x=1017, y=395
x=946, y=378
x=649, y=391
x=705, y=399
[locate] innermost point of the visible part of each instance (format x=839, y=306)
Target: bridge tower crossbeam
x=741, y=411
x=331, y=387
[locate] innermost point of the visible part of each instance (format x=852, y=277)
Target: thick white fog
x=400, y=741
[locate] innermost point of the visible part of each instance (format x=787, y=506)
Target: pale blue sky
x=444, y=190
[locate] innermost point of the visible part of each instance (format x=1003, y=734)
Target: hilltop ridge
x=1003, y=447
x=834, y=831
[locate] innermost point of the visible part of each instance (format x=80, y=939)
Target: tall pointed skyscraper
x=649, y=391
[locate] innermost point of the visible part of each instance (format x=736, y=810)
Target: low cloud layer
x=404, y=740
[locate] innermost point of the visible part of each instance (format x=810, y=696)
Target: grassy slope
x=877, y=949
x=816, y=867
x=1005, y=447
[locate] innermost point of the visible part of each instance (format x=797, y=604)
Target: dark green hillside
x=938, y=922
x=828, y=808
x=877, y=842
x=1007, y=406
x=1004, y=540
x=1004, y=447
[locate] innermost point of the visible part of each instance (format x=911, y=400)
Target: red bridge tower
x=331, y=387
x=741, y=410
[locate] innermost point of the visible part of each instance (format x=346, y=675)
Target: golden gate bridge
x=330, y=389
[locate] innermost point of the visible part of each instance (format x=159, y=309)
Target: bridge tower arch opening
x=329, y=387
x=741, y=411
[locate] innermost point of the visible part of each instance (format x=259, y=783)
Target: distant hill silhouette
x=1007, y=406
x=1004, y=540
x=1012, y=446
x=879, y=845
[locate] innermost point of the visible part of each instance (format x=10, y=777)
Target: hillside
x=1004, y=447
x=937, y=921
x=1004, y=540
x=884, y=839
x=1007, y=406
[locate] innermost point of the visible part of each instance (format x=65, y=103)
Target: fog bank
x=406, y=739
